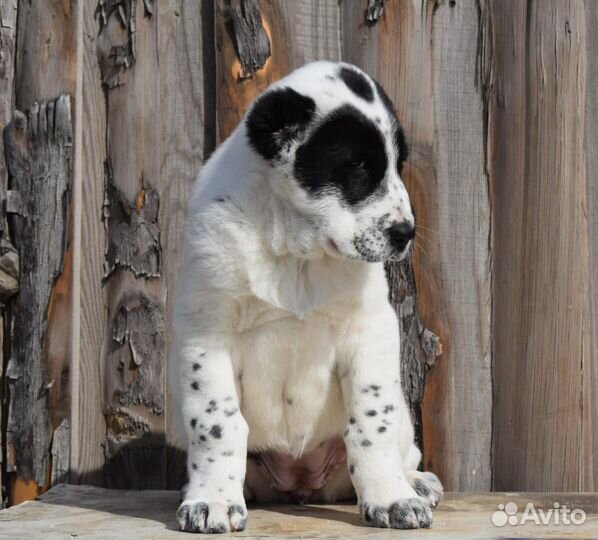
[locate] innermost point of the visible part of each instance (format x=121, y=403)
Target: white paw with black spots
x=414, y=513
x=202, y=517
x=428, y=486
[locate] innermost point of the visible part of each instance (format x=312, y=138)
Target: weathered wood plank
x=95, y=513
x=434, y=87
x=46, y=67
x=38, y=150
x=537, y=166
x=591, y=148
x=89, y=426
x=8, y=277
x=186, y=85
x=134, y=383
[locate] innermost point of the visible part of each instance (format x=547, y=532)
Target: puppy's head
x=333, y=135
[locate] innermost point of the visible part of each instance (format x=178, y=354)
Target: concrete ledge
x=90, y=513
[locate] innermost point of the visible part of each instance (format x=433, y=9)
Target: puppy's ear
x=276, y=118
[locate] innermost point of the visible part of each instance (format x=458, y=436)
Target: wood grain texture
x=90, y=429
x=46, y=48
x=537, y=166
x=590, y=389
x=424, y=55
x=186, y=125
x=98, y=514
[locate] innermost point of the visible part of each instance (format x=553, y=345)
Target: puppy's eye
x=356, y=164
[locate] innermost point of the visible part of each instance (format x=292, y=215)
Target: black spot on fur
x=193, y=422
x=375, y=387
x=211, y=460
x=289, y=401
x=365, y=443
x=357, y=83
x=352, y=420
x=231, y=477
x=231, y=412
x=228, y=398
x=196, y=367
x=228, y=453
x=389, y=408
x=346, y=432
x=212, y=406
x=202, y=438
x=381, y=429
x=194, y=466
x=195, y=385
x=220, y=199
x=216, y=431
x=276, y=118
x=371, y=413
x=336, y=158
x=351, y=469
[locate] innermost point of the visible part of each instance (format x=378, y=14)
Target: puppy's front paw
x=413, y=513
x=428, y=486
x=203, y=517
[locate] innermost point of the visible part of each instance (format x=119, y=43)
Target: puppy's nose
x=399, y=234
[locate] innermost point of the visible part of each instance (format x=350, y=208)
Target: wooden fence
x=121, y=101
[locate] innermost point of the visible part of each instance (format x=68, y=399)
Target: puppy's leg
x=379, y=432
x=216, y=432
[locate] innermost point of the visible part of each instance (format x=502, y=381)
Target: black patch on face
x=345, y=153
x=365, y=443
x=193, y=422
x=357, y=83
x=351, y=469
x=371, y=413
x=195, y=385
x=388, y=409
x=398, y=134
x=216, y=431
x=351, y=420
x=277, y=118
x=381, y=429
x=196, y=367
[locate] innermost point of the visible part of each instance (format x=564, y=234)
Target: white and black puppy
x=286, y=349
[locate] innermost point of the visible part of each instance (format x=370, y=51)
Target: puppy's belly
x=289, y=391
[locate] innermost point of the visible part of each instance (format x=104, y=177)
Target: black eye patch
x=345, y=153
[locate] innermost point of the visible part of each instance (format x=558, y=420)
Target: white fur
x=274, y=312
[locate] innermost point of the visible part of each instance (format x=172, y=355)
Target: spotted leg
x=379, y=433
x=216, y=431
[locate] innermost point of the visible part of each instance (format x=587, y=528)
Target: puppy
x=286, y=349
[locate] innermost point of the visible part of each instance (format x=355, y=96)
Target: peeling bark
x=117, y=43
x=132, y=231
x=136, y=355
x=420, y=347
x=252, y=44
x=374, y=11
x=38, y=149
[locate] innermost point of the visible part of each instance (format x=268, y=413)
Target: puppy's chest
x=286, y=377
